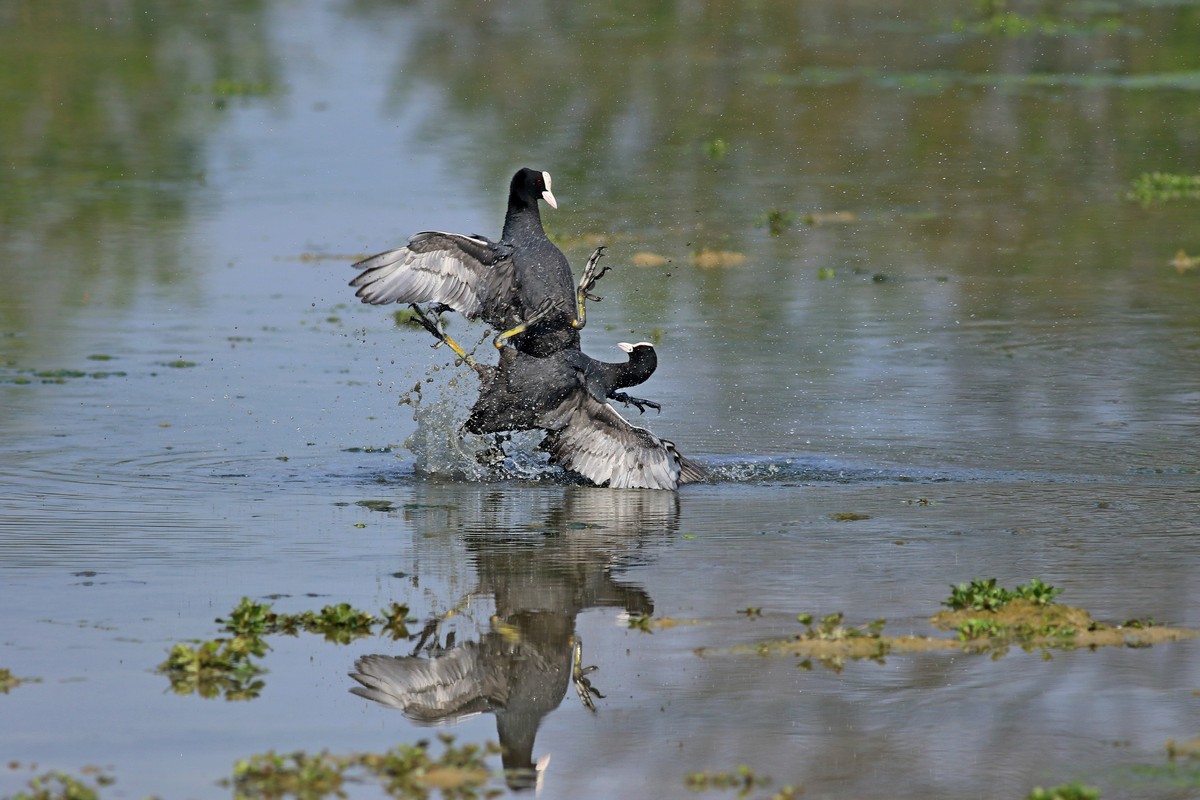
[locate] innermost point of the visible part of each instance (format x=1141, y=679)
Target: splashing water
x=441, y=448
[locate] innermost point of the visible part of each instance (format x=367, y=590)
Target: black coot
x=521, y=285
x=566, y=394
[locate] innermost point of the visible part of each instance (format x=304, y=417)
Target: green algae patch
x=1067, y=791
x=226, y=666
x=984, y=617
x=405, y=771
x=216, y=668
x=648, y=624
x=1030, y=624
x=1162, y=187
x=62, y=786
x=831, y=642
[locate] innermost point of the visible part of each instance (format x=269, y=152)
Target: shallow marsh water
x=980, y=346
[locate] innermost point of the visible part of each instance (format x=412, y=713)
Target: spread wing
x=591, y=438
x=471, y=274
x=448, y=687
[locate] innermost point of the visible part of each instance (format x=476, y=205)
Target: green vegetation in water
x=1182, y=775
x=8, y=681
x=341, y=623
x=61, y=786
x=216, y=668
x=742, y=779
x=223, y=90
x=752, y=612
x=640, y=622
x=1161, y=187
x=179, y=363
x=831, y=641
x=226, y=667
x=995, y=19
x=775, y=220
x=984, y=595
x=848, y=516
x=986, y=618
x=25, y=377
x=940, y=81
x=716, y=148
x=1068, y=791
x=405, y=771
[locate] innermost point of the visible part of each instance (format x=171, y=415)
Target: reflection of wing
x=591, y=438
x=471, y=274
x=448, y=687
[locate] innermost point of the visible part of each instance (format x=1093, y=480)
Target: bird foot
x=548, y=307
x=579, y=673
x=637, y=402
x=431, y=321
x=591, y=274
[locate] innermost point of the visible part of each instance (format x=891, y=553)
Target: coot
x=521, y=285
x=567, y=395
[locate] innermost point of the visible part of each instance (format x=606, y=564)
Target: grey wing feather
x=592, y=439
x=449, y=686
x=471, y=274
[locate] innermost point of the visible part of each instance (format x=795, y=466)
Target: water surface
x=975, y=341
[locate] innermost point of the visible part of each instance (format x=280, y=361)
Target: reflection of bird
x=521, y=285
x=518, y=675
x=448, y=687
x=528, y=655
x=566, y=394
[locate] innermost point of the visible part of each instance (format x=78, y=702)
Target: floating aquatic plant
x=216, y=668
x=1161, y=187
x=8, y=681
x=775, y=220
x=984, y=595
x=226, y=667
x=716, y=148
x=1068, y=791
x=741, y=778
x=405, y=771
x=61, y=786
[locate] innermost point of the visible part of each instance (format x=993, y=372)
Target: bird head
x=533, y=185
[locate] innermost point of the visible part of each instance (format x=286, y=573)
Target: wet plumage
x=503, y=282
x=567, y=395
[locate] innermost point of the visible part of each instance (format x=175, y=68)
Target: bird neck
x=640, y=366
x=523, y=219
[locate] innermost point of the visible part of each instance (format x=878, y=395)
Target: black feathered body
x=501, y=282
x=566, y=394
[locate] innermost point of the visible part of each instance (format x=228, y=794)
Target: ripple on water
x=62, y=509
